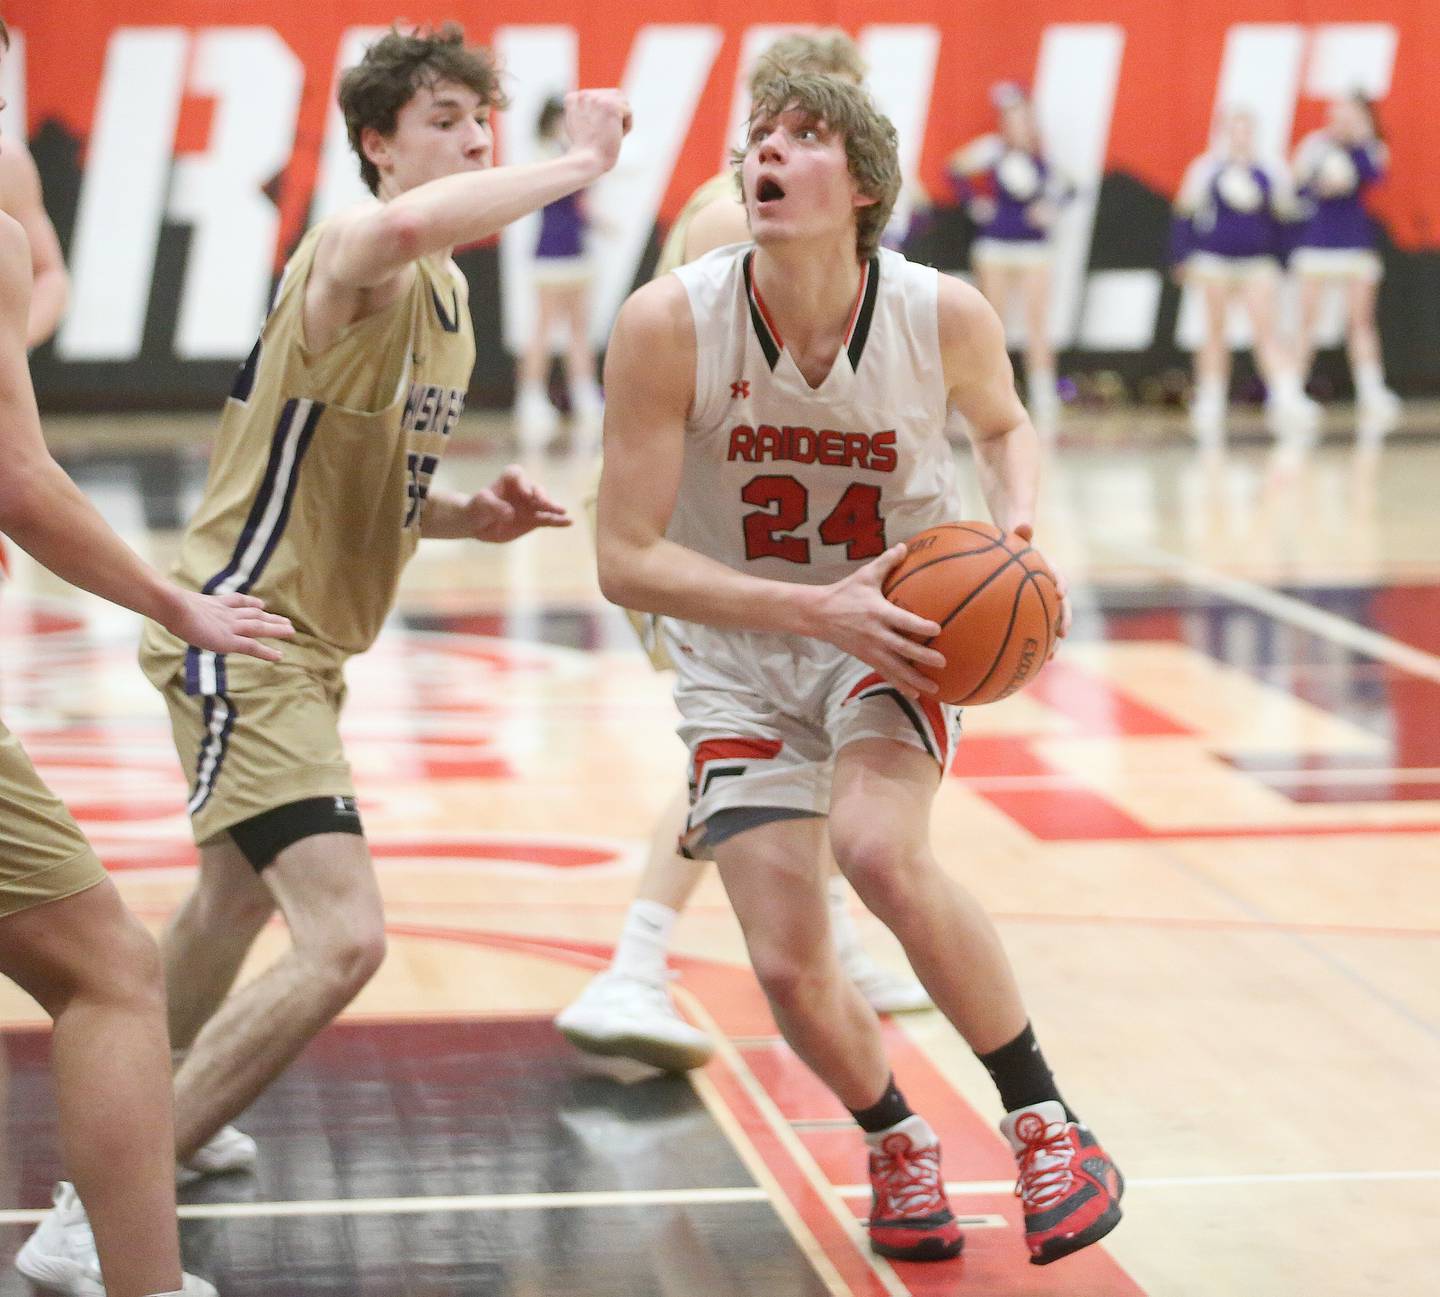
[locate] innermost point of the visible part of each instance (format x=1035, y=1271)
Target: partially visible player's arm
x=510, y=507
x=982, y=387
x=649, y=387
x=717, y=225
x=373, y=244
x=20, y=196
x=44, y=512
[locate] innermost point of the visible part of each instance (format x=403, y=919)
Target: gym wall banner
x=184, y=147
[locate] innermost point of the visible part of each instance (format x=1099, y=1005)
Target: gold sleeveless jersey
x=320, y=472
x=672, y=251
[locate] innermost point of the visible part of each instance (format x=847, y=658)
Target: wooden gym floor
x=1210, y=834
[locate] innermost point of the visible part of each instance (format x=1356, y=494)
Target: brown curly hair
x=373, y=92
x=871, y=147
x=829, y=50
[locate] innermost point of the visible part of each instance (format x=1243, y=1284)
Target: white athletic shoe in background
x=633, y=1017
x=228, y=1151
x=536, y=420
x=60, y=1255
x=884, y=991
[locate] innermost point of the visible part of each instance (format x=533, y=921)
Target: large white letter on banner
x=339, y=185
x=112, y=253
x=255, y=80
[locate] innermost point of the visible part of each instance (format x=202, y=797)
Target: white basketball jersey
x=798, y=483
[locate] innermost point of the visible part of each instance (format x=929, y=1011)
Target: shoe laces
x=654, y=990
x=1046, y=1165
x=906, y=1179
x=77, y=1239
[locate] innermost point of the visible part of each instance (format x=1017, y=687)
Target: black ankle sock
x=1022, y=1075
x=889, y=1110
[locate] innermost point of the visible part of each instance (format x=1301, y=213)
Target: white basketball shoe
x=633, y=1017
x=227, y=1152
x=60, y=1255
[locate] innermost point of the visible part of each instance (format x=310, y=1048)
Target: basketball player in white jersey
x=627, y=1008
x=773, y=433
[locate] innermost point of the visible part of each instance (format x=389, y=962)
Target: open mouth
x=767, y=191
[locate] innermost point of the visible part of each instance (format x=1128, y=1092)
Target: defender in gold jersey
x=320, y=488
x=66, y=937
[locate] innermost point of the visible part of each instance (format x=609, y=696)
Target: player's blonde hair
x=828, y=51
x=373, y=92
x=847, y=110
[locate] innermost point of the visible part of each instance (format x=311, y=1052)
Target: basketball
x=995, y=599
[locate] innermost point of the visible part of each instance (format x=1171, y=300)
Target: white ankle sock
x=644, y=940
x=1369, y=379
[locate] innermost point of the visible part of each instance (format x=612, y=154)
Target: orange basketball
x=995, y=600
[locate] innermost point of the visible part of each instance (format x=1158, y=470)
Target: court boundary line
x=1296, y=612
x=616, y=1199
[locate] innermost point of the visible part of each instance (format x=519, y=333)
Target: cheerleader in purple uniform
x=1014, y=196
x=562, y=273
x=1335, y=244
x=1226, y=243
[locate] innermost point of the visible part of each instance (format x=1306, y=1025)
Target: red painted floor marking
x=1097, y=707
x=994, y=1262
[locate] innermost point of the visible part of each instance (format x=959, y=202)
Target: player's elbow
x=615, y=583
x=401, y=234
x=618, y=573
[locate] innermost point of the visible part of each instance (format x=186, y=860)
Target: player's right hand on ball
x=597, y=120
x=229, y=623
x=856, y=616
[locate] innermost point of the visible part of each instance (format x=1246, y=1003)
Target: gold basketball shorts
x=43, y=854
x=255, y=748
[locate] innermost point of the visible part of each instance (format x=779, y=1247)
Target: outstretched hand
x=510, y=507
x=229, y=623
x=856, y=616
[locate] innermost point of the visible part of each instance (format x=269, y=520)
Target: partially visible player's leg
x=885, y=991
x=325, y=887
x=209, y=936
x=95, y=970
x=880, y=814
x=777, y=886
x=68, y=940
x=879, y=829
x=627, y=1009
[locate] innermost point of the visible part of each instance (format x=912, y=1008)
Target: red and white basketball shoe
x=910, y=1218
x=1069, y=1186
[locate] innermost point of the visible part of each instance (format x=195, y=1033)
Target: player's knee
x=350, y=956
x=879, y=869
x=129, y=970
x=788, y=977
